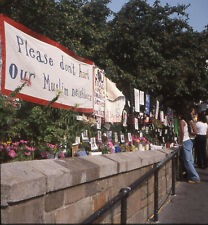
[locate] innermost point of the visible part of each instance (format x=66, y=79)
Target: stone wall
x=70, y=190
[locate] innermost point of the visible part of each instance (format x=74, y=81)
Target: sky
x=198, y=10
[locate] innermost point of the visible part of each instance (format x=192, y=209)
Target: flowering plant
x=52, y=151
x=140, y=140
x=143, y=140
x=19, y=150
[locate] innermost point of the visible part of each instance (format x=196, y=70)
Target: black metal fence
x=125, y=192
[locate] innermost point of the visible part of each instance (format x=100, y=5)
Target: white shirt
x=201, y=128
x=186, y=133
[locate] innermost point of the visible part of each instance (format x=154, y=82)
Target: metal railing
x=125, y=192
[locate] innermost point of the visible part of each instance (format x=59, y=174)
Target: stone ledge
x=19, y=182
x=28, y=179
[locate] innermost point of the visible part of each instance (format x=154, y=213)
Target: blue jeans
x=188, y=160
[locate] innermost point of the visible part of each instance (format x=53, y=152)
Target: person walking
x=202, y=131
x=186, y=146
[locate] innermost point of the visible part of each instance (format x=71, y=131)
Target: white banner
x=49, y=67
x=136, y=100
x=114, y=102
x=99, y=93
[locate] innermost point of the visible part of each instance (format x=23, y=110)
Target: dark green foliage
x=160, y=53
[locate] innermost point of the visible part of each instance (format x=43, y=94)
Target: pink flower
x=27, y=153
x=1, y=147
x=62, y=155
x=45, y=155
x=110, y=144
x=29, y=148
x=15, y=143
x=12, y=153
x=8, y=148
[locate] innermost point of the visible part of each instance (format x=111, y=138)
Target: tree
x=160, y=54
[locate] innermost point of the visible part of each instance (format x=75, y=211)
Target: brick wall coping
x=27, y=179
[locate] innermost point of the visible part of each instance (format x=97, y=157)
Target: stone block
x=167, y=151
x=144, y=203
x=111, y=218
x=57, y=176
x=4, y=216
x=150, y=183
x=119, y=182
x=131, y=177
x=137, y=218
x=88, y=168
x=19, y=181
x=150, y=198
x=74, y=194
x=125, y=161
x=90, y=189
x=149, y=157
x=113, y=192
x=103, y=185
x=105, y=167
x=133, y=203
x=25, y=212
x=54, y=200
x=144, y=190
x=150, y=210
x=49, y=218
x=76, y=212
x=99, y=200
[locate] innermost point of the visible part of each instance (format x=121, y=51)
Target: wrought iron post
x=124, y=204
x=173, y=174
x=156, y=195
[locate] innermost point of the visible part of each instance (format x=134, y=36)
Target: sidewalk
x=190, y=205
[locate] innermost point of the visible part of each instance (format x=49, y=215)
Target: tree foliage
x=160, y=51
x=151, y=48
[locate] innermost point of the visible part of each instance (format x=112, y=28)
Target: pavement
x=189, y=205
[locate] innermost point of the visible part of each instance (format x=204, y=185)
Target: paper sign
x=99, y=93
x=93, y=144
x=99, y=123
x=129, y=137
x=99, y=136
x=85, y=136
x=136, y=100
x=141, y=97
x=109, y=135
x=77, y=140
x=157, y=110
x=162, y=116
x=124, y=118
x=136, y=123
x=122, y=138
x=116, y=137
